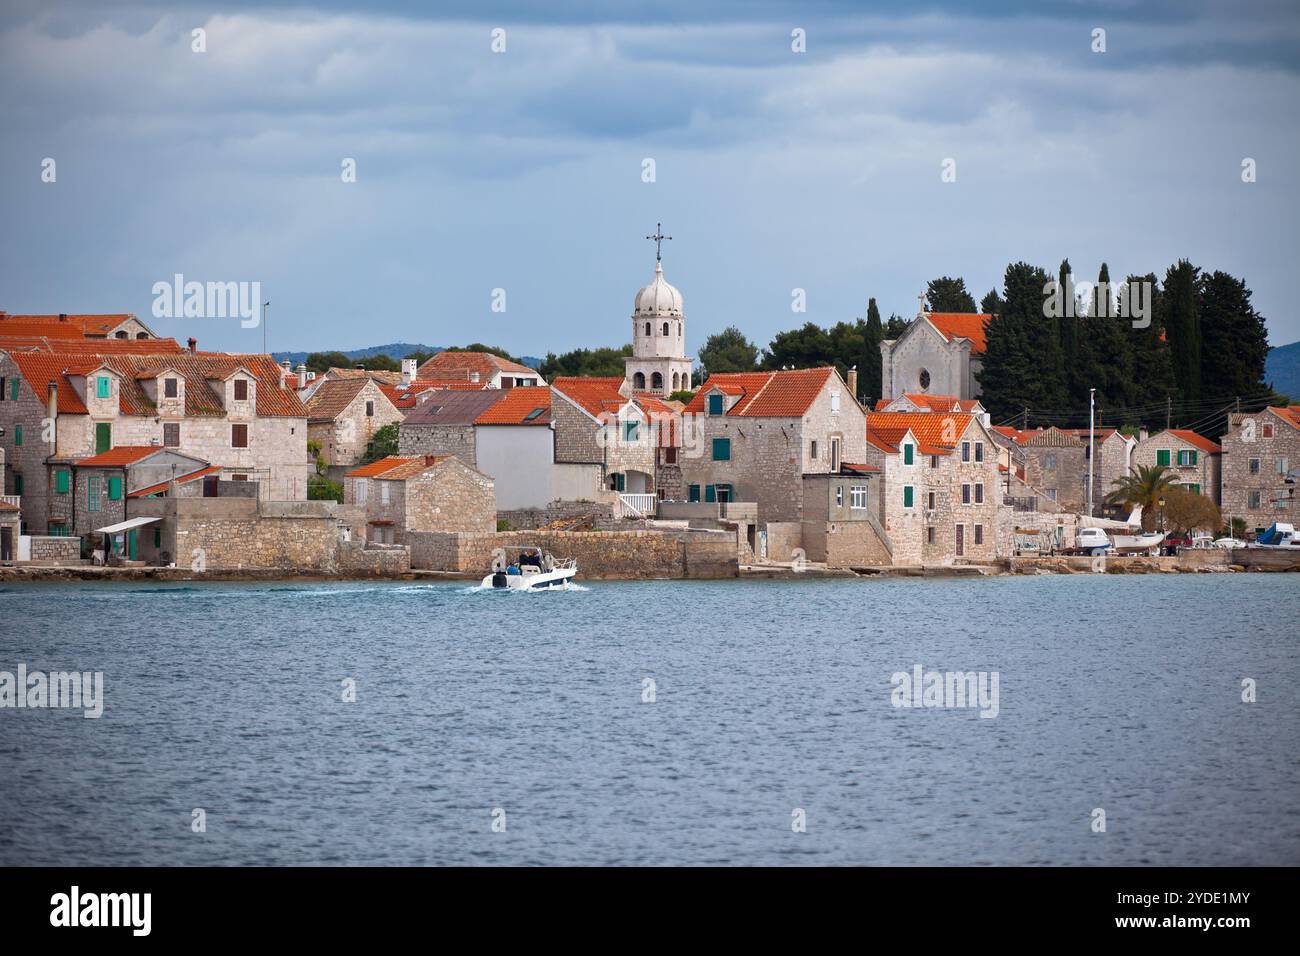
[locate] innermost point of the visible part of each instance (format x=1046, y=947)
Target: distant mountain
x=394, y=350
x=1282, y=370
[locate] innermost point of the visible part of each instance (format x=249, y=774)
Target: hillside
x=394, y=350
x=1282, y=369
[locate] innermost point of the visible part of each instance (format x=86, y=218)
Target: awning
x=126, y=525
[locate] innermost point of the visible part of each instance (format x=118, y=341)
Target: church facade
x=658, y=363
x=939, y=354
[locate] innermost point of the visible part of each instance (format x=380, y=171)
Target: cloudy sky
x=523, y=170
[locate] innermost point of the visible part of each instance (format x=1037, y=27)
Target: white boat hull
x=530, y=580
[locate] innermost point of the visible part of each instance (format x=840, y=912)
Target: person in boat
x=532, y=556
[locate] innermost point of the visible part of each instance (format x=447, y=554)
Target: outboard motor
x=499, y=579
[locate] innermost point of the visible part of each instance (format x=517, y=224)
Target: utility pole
x=1024, y=420
x=1092, y=395
x=1169, y=410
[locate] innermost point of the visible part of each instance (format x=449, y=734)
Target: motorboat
x=535, y=570
x=1279, y=536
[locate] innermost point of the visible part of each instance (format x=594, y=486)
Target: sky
x=524, y=170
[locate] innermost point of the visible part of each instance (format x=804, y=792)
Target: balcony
x=15, y=500
x=635, y=506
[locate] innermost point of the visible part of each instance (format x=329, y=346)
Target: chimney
x=63, y=316
x=52, y=410
x=286, y=370
x=853, y=383
x=302, y=375
x=193, y=343
x=473, y=376
x=409, y=367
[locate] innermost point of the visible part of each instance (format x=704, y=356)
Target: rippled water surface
x=1120, y=693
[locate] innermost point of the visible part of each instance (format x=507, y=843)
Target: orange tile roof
x=396, y=467
x=936, y=403
x=886, y=429
x=788, y=393
x=114, y=346
x=332, y=397
x=596, y=394
x=84, y=323
x=516, y=404
x=1289, y=414
x=965, y=325
x=405, y=396
x=378, y=467
x=10, y=328
x=119, y=456
x=863, y=469
x=1192, y=438
x=162, y=485
x=461, y=364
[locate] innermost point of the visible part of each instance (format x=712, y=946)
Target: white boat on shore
x=535, y=570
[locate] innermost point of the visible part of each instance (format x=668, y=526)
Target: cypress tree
x=1070, y=348
x=1153, y=370
x=1234, y=340
x=1107, y=348
x=870, y=372
x=949, y=295
x=1021, y=366
x=1183, y=327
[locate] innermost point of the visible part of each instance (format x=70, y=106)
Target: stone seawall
x=600, y=554
x=523, y=519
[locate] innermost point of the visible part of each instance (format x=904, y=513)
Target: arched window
x=121, y=335
x=647, y=328
x=679, y=330
x=665, y=328
x=675, y=380
x=657, y=382
x=142, y=335
x=638, y=381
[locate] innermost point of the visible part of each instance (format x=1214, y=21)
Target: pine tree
x=1153, y=370
x=1071, y=359
x=949, y=295
x=991, y=304
x=1021, y=366
x=1106, y=349
x=1234, y=340
x=1183, y=327
x=870, y=372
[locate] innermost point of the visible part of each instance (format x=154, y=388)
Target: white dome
x=658, y=298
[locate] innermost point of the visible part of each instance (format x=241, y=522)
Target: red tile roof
x=516, y=405
x=862, y=469
x=163, y=485
x=965, y=325
x=1192, y=438
x=936, y=403
x=782, y=394
x=1289, y=414
x=461, y=364
x=119, y=456
x=596, y=394
x=40, y=368
x=886, y=429
x=396, y=467
x=406, y=396
x=332, y=397
x=84, y=323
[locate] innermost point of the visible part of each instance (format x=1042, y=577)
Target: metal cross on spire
x=659, y=238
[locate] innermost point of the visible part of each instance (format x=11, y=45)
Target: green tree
x=1153, y=371
x=1143, y=486
x=805, y=347
x=480, y=347
x=585, y=362
x=383, y=444
x=321, y=362
x=991, y=304
x=320, y=488
x=1022, y=360
x=1104, y=353
x=1187, y=511
x=1183, y=327
x=729, y=351
x=869, y=372
x=946, y=294
x=379, y=363
x=1069, y=325
x=1234, y=339
x=896, y=326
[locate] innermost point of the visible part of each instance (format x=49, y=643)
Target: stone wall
x=600, y=554
x=1257, y=449
x=457, y=440
x=782, y=538
x=61, y=550
x=523, y=519
x=378, y=560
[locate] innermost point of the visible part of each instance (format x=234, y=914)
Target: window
x=18, y=484
x=1162, y=457
x=929, y=501
x=839, y=496
x=172, y=434
x=92, y=493
x=58, y=530
x=657, y=382
x=61, y=481
x=647, y=328
x=715, y=403
x=103, y=437
x=2, y=388
x=1194, y=489
x=934, y=461
x=710, y=493
x=169, y=388
x=965, y=451
x=638, y=381
x=670, y=456
x=812, y=452
x=1252, y=499
x=693, y=493
x=665, y=328
x=18, y=435
x=929, y=535
x=370, y=409
x=618, y=481
x=157, y=536
x=13, y=389
x=979, y=534
x=858, y=497
x=924, y=379
x=1049, y=461
x=979, y=493
x=1267, y=431
x=723, y=493
x=965, y=494
x=114, y=487
x=241, y=389
x=835, y=401
x=1282, y=466
x=907, y=496
x=1254, y=466
x=835, y=454
x=238, y=436
x=384, y=492
x=103, y=387
x=908, y=452
x=979, y=451
x=631, y=430
x=359, y=490
x=722, y=449
x=1186, y=457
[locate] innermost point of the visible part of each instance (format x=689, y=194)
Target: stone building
x=478, y=368
x=841, y=524
x=1054, y=462
x=231, y=410
x=939, y=352
x=658, y=363
x=753, y=436
x=343, y=416
x=400, y=495
x=1260, y=467
x=942, y=493
x=121, y=325
x=1193, y=459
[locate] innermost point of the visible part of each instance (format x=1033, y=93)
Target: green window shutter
x=907, y=496
x=693, y=493
x=1196, y=489
x=710, y=493
x=13, y=389
x=715, y=404
x=1193, y=458
x=61, y=482
x=18, y=435
x=18, y=484
x=157, y=537
x=907, y=454
x=114, y=488
x=102, y=387
x=620, y=481
x=629, y=431
x=1162, y=457
x=722, y=449
x=103, y=437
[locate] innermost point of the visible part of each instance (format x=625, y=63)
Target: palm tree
x=1144, y=486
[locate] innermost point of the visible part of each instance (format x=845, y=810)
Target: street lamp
x=1161, y=503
